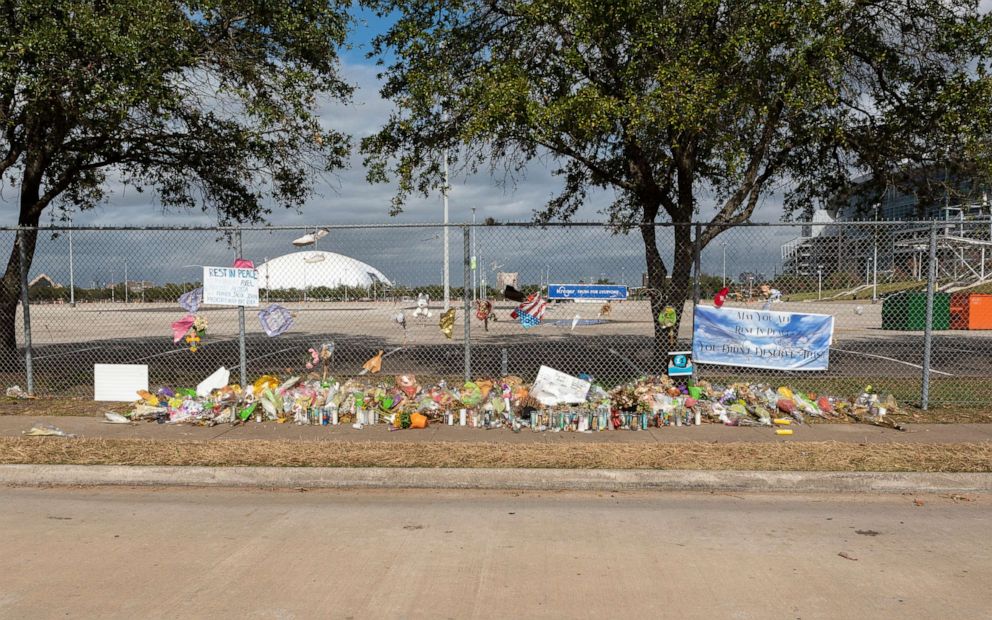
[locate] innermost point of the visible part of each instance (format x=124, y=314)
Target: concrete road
x=159, y=553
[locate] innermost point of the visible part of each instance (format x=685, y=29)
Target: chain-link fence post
x=928, y=327
x=242, y=352
x=25, y=309
x=467, y=300
x=697, y=261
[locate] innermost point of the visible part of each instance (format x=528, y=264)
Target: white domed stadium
x=311, y=269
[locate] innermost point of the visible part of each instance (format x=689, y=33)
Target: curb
x=495, y=479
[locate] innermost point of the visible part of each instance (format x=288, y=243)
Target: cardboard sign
x=553, y=387
x=761, y=338
x=119, y=382
x=214, y=382
x=230, y=286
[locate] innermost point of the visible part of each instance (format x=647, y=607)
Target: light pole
x=72, y=275
x=444, y=200
x=874, y=270
x=475, y=295
x=125, y=283
x=819, y=282
x=478, y=262
x=723, y=244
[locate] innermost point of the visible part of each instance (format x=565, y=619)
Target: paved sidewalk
x=13, y=426
x=496, y=478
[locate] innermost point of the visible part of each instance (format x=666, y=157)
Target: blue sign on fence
x=604, y=292
x=761, y=338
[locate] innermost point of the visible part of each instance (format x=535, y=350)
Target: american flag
x=531, y=311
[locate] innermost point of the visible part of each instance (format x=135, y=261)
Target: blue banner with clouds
x=761, y=338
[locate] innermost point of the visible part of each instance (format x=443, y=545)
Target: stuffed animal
x=423, y=299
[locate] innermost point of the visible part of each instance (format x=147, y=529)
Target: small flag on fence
x=531, y=311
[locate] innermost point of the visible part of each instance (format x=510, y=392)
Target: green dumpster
x=907, y=311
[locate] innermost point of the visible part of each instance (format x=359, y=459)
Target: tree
x=211, y=104
x=674, y=105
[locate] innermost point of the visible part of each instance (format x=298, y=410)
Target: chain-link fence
x=909, y=301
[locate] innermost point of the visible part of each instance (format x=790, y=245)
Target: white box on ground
x=553, y=387
x=119, y=382
x=214, y=382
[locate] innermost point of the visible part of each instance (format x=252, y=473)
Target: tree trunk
x=663, y=292
x=10, y=283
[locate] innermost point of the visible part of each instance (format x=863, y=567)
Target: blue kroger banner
x=761, y=338
x=587, y=291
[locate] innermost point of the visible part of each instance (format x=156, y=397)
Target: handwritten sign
x=230, y=286
x=761, y=338
x=587, y=291
x=553, y=387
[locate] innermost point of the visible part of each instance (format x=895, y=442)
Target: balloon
x=721, y=297
x=180, y=327
x=528, y=321
x=275, y=320
x=447, y=322
x=191, y=300
x=374, y=364
x=483, y=308
x=667, y=317
x=513, y=294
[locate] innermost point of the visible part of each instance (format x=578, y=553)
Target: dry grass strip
x=791, y=456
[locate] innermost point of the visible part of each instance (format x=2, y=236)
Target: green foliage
x=210, y=103
x=676, y=104
x=668, y=101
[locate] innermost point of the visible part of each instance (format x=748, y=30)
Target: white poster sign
x=553, y=387
x=119, y=382
x=230, y=286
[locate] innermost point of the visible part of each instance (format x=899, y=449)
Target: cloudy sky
x=346, y=197
x=413, y=256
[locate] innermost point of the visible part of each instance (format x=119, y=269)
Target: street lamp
x=475, y=295
x=723, y=244
x=72, y=275
x=444, y=200
x=819, y=282
x=874, y=271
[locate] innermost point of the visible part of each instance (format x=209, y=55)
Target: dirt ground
x=785, y=456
